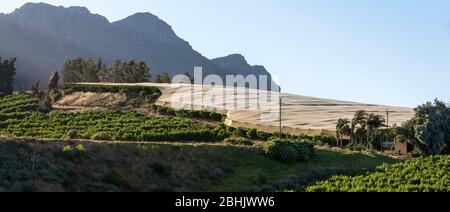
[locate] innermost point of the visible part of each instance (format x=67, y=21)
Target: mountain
x=43, y=37
x=237, y=63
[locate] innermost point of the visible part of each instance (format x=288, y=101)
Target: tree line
x=363, y=130
x=428, y=131
x=7, y=72
x=90, y=70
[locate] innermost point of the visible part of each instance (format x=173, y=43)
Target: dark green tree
x=373, y=123
x=343, y=128
x=429, y=129
x=163, y=78
x=35, y=89
x=53, y=82
x=7, y=72
x=358, y=126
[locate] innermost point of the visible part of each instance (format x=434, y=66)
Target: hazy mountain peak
x=233, y=59
x=35, y=12
x=47, y=7
x=45, y=36
x=145, y=26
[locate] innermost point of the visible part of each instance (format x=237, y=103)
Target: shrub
x=252, y=133
x=67, y=152
x=80, y=150
x=305, y=150
x=262, y=135
x=241, y=132
x=71, y=134
x=55, y=95
x=124, y=91
x=322, y=139
x=289, y=150
x=281, y=150
x=143, y=93
x=238, y=141
x=70, y=153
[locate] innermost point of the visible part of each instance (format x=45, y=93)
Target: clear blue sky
x=373, y=51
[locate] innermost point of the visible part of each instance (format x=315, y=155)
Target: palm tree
x=373, y=122
x=358, y=124
x=342, y=129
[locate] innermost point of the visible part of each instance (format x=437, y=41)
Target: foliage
x=163, y=78
x=363, y=130
x=172, y=166
x=71, y=134
x=188, y=113
x=289, y=150
x=429, y=174
x=71, y=153
x=135, y=90
x=429, y=129
x=53, y=82
x=17, y=106
x=323, y=139
x=18, y=118
x=81, y=70
x=86, y=70
x=35, y=89
x=343, y=128
x=7, y=72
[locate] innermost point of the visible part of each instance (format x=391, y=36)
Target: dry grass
x=80, y=100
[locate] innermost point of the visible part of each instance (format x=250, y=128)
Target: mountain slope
x=43, y=37
x=237, y=63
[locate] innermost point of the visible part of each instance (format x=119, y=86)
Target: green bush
x=252, y=133
x=67, y=151
x=241, y=132
x=70, y=153
x=305, y=150
x=289, y=151
x=262, y=135
x=71, y=134
x=322, y=139
x=124, y=91
x=188, y=113
x=80, y=150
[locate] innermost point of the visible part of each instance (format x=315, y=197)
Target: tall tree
x=81, y=70
x=373, y=122
x=53, y=82
x=7, y=72
x=429, y=129
x=89, y=72
x=358, y=126
x=163, y=78
x=343, y=128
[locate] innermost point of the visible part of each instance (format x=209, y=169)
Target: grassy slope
x=161, y=167
x=281, y=176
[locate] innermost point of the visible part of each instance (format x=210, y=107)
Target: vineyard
x=431, y=174
x=19, y=117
